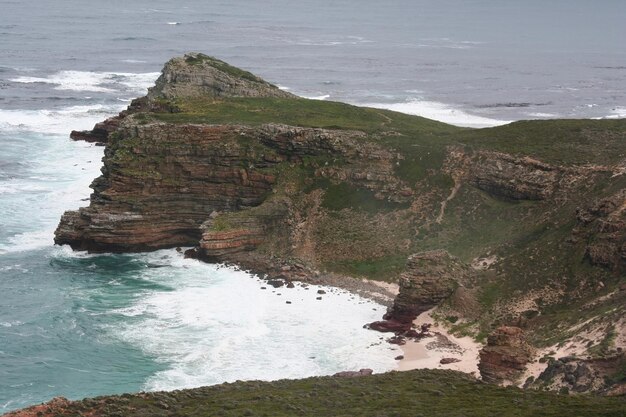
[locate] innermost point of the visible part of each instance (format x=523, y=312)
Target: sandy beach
x=428, y=352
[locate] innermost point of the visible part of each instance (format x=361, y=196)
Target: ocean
x=77, y=325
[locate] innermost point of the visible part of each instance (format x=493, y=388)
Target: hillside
x=533, y=212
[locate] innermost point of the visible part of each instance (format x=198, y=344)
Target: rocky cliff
x=523, y=223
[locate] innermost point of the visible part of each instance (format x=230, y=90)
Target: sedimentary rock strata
x=506, y=355
x=160, y=182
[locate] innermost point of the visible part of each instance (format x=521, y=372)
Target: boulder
x=429, y=278
x=506, y=355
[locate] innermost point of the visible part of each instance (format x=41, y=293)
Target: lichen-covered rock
x=506, y=355
x=370, y=166
x=228, y=234
x=603, y=227
x=193, y=75
x=197, y=75
x=162, y=181
x=512, y=177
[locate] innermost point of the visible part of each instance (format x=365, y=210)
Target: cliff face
x=161, y=182
x=218, y=159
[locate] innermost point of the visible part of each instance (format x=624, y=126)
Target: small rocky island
x=514, y=235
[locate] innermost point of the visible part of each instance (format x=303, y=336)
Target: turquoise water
x=77, y=325
x=54, y=339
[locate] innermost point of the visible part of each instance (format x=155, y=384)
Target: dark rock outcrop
x=506, y=355
x=430, y=277
x=446, y=361
x=603, y=227
x=582, y=375
x=198, y=75
x=193, y=75
x=512, y=177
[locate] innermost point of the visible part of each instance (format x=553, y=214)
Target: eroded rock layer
x=160, y=182
x=506, y=355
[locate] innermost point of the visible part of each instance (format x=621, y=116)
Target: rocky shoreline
x=514, y=236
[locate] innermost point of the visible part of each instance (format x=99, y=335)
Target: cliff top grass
x=427, y=393
x=566, y=141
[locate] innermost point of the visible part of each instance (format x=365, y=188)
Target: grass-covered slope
x=407, y=394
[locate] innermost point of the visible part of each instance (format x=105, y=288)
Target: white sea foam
x=10, y=323
x=60, y=121
x=348, y=40
x=137, y=83
x=28, y=241
x=71, y=80
x=12, y=186
x=321, y=97
x=439, y=111
x=103, y=82
x=58, y=179
x=543, y=115
x=617, y=113
x=216, y=325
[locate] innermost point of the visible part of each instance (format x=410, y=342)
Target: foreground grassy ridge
x=427, y=393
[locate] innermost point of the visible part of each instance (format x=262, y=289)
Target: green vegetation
x=383, y=269
x=427, y=393
x=619, y=374
x=606, y=343
x=300, y=112
x=343, y=195
x=565, y=142
x=421, y=140
x=199, y=59
x=221, y=224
